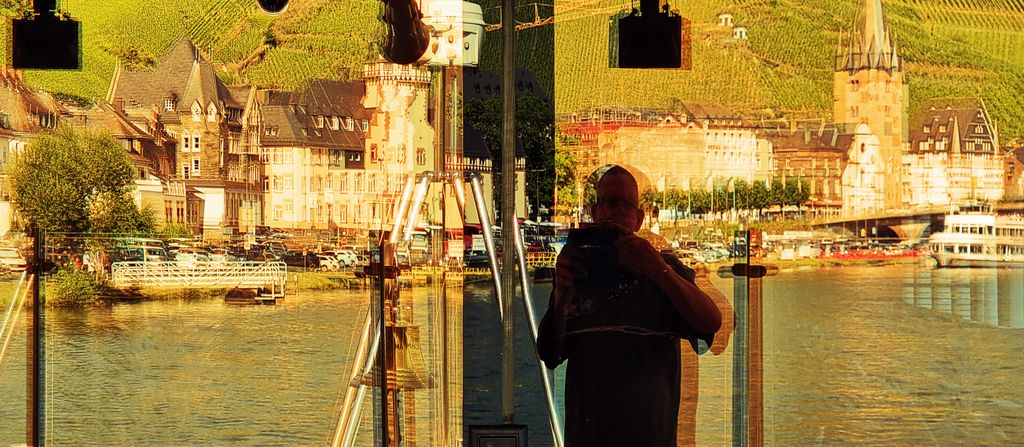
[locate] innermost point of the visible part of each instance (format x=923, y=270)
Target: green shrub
x=315, y=281
x=70, y=288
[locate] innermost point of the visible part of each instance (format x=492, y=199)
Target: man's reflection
x=617, y=312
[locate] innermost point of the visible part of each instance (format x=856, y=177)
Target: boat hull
x=948, y=260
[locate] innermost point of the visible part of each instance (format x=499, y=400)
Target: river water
x=895, y=355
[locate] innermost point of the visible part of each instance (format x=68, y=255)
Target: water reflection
x=896, y=355
x=994, y=297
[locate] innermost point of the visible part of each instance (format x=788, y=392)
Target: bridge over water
x=902, y=224
x=907, y=224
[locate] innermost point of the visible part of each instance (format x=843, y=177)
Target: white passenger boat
x=979, y=239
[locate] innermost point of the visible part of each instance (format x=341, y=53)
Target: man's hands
x=638, y=256
x=569, y=271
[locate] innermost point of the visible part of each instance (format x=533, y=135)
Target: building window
x=359, y=182
x=197, y=112
x=195, y=167
x=979, y=129
x=344, y=213
x=320, y=121
x=329, y=186
x=266, y=184
x=335, y=123
x=211, y=113
x=927, y=129
x=372, y=184
x=349, y=124
x=288, y=182
x=186, y=141
x=185, y=172
x=278, y=212
x=365, y=125
x=168, y=104
x=196, y=144
x=343, y=185
x=942, y=128
x=373, y=153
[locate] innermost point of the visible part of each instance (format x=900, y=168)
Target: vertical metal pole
x=382, y=348
x=35, y=382
x=755, y=379
x=740, y=357
x=508, y=194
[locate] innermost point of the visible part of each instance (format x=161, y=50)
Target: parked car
x=345, y=258
x=260, y=255
x=298, y=259
x=476, y=259
x=190, y=256
x=348, y=257
x=328, y=263
x=221, y=255
x=11, y=259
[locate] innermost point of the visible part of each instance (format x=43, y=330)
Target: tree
x=777, y=194
x=535, y=130
x=72, y=181
x=567, y=191
x=742, y=191
x=760, y=196
x=119, y=215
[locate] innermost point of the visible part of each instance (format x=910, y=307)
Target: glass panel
x=840, y=199
x=15, y=324
x=257, y=101
x=141, y=347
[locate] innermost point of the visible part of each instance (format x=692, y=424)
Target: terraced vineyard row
x=290, y=69
x=972, y=13
x=962, y=47
x=208, y=25
x=251, y=36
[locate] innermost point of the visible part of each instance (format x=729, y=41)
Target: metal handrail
x=531, y=315
x=15, y=309
x=198, y=274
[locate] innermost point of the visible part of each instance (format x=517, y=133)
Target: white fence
x=242, y=274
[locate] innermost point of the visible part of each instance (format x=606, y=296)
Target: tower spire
x=870, y=45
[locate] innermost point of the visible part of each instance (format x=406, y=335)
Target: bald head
x=618, y=200
x=621, y=177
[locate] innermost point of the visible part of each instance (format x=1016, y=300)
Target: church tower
x=869, y=88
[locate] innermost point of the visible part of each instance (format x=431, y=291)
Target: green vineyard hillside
x=784, y=68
